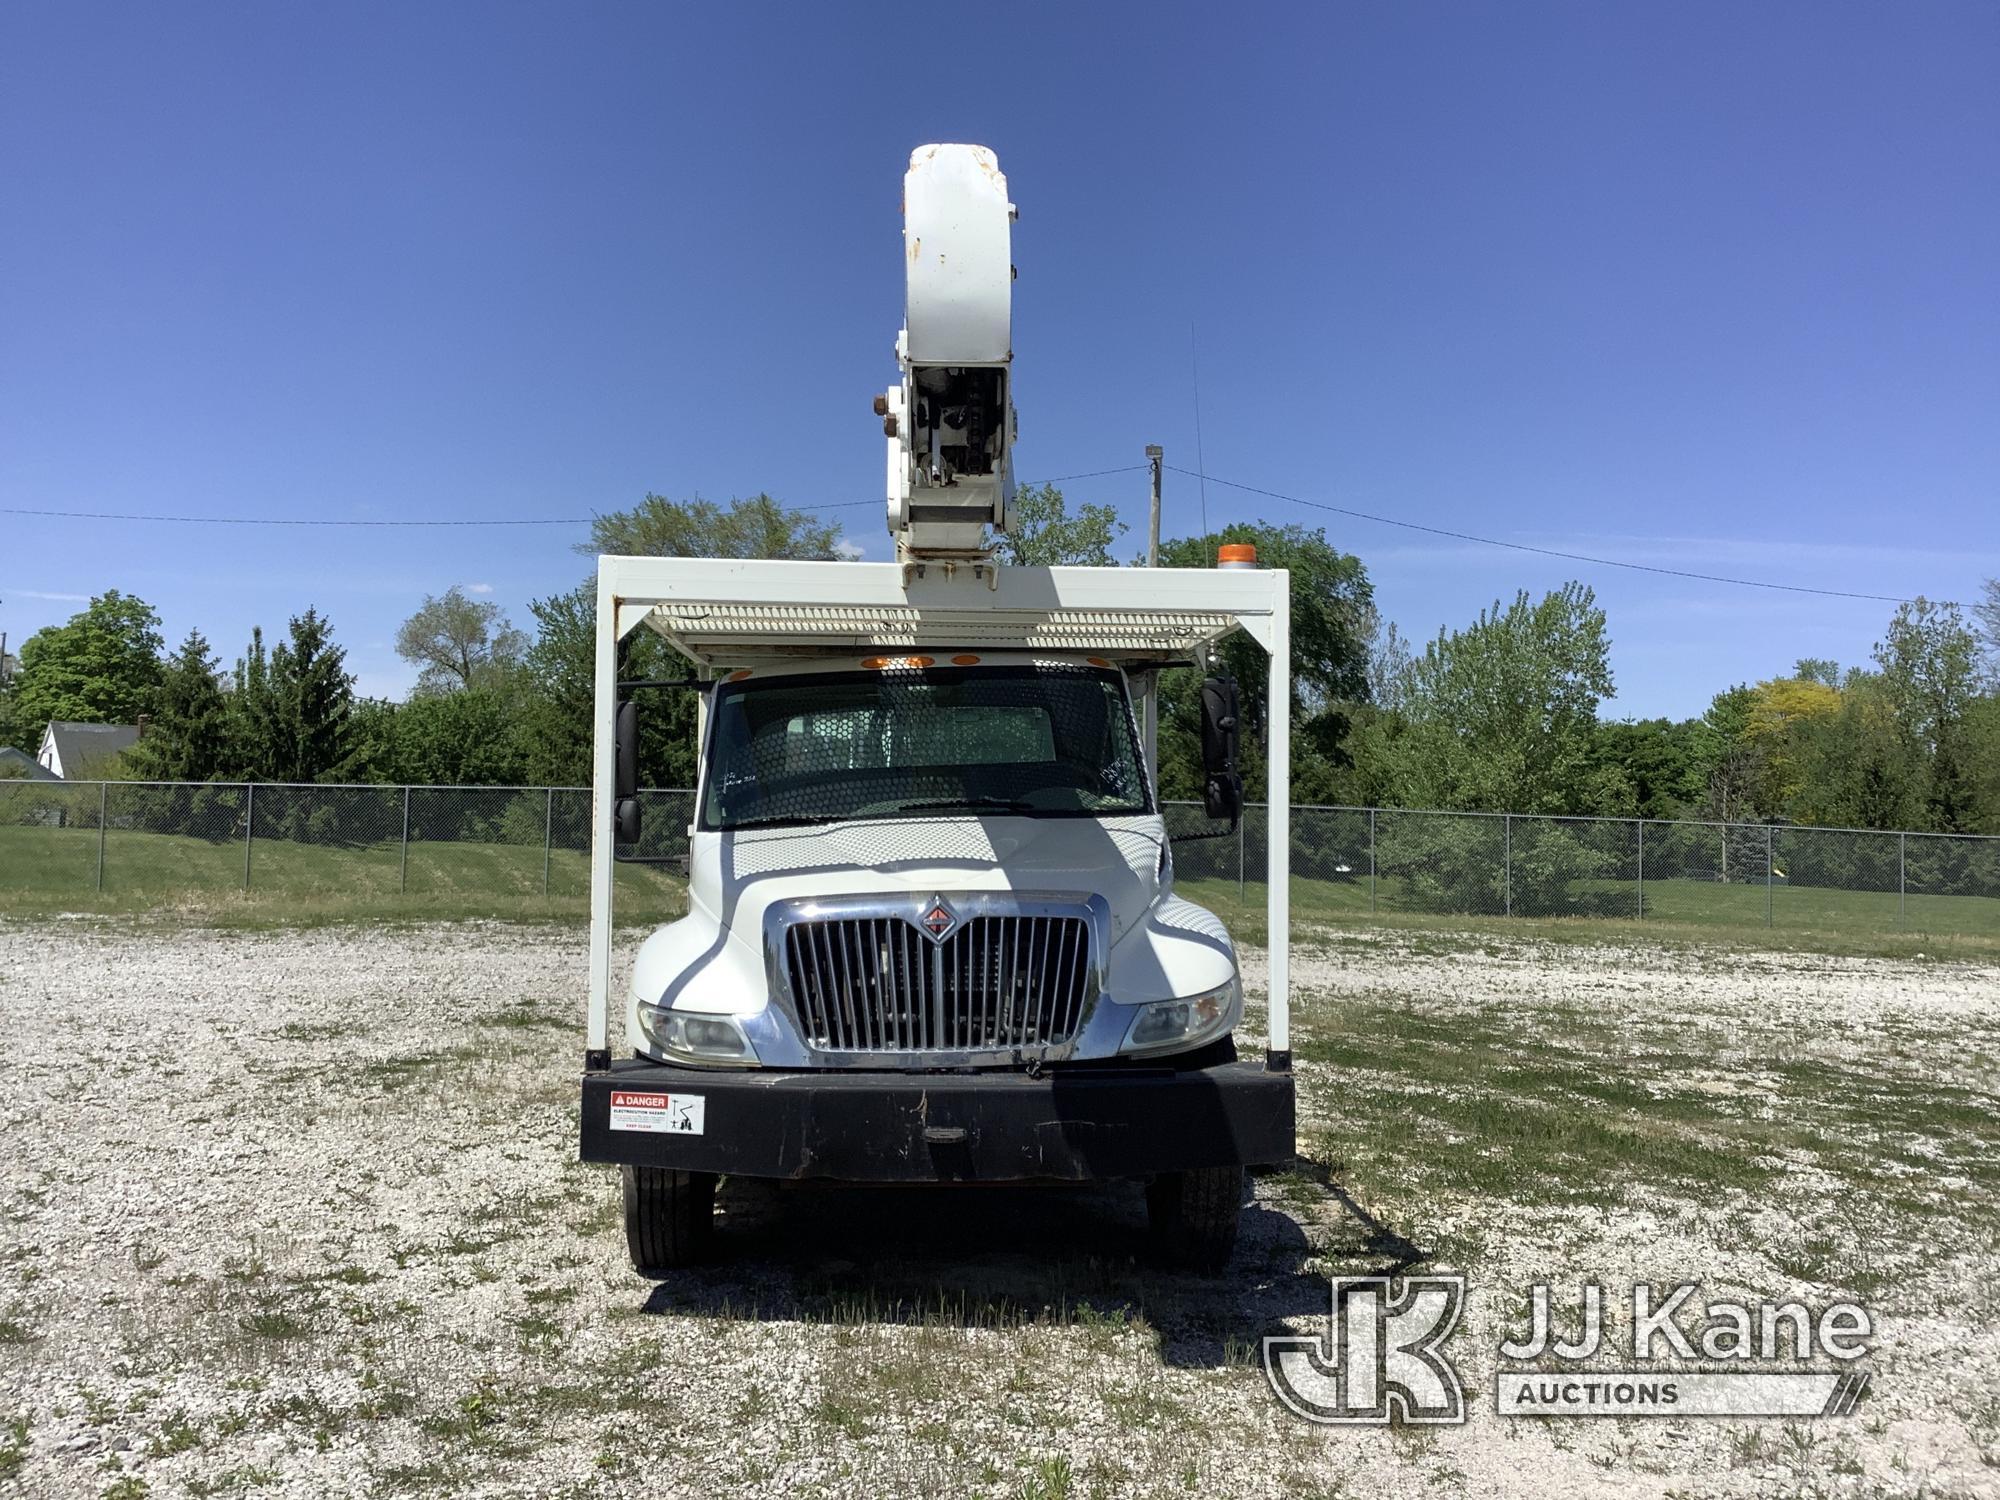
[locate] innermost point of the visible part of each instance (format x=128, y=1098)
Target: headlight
x=689, y=1037
x=1180, y=1023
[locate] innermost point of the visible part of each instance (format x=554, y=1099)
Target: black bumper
x=1072, y=1125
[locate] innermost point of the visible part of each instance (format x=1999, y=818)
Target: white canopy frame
x=725, y=613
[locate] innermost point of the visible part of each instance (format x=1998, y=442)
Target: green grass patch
x=1561, y=1107
x=13, y=1446
x=276, y=1323
x=1474, y=1103
x=47, y=870
x=1685, y=914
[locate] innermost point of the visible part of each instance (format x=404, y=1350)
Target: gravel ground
x=296, y=1213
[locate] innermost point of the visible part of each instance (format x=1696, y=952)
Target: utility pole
x=1150, y=723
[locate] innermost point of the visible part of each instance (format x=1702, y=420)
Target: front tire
x=1194, y=1216
x=669, y=1217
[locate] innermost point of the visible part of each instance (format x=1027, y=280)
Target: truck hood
x=736, y=876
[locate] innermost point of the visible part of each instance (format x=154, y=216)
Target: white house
x=70, y=750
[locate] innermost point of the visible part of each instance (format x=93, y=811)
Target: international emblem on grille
x=938, y=920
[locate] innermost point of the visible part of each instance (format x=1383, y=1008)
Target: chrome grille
x=994, y=983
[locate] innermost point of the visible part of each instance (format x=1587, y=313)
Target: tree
x=1657, y=760
x=556, y=714
x=472, y=737
x=456, y=641
x=1728, y=763
x=12, y=730
x=311, y=701
x=1782, y=714
x=188, y=737
x=1501, y=715
x=1988, y=611
x=1856, y=772
x=1389, y=659
x=1929, y=663
x=757, y=527
x=1043, y=534
x=1333, y=615
x=253, y=714
x=102, y=666
x=1983, y=734
x=371, y=739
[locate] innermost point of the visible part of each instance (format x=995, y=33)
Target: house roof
x=77, y=745
x=27, y=767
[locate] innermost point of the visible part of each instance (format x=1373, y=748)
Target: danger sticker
x=665, y=1114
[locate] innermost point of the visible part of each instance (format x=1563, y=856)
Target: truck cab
x=929, y=861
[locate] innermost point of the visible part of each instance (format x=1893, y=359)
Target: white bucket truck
x=932, y=930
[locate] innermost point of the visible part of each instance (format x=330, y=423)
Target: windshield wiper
x=996, y=804
x=773, y=822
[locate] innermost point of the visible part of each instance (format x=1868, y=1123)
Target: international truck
x=932, y=930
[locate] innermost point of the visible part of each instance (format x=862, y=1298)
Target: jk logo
x=1380, y=1354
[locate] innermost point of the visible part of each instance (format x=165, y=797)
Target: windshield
x=1034, y=741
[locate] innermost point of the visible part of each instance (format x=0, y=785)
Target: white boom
x=950, y=419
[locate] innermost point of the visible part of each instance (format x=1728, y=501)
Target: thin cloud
x=479, y=588
x=14, y=593
x=1800, y=551
x=850, y=551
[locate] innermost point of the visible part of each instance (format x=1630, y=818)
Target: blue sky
x=1709, y=286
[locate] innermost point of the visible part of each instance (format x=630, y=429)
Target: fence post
x=1902, y=877
x=403, y=868
x=103, y=789
x=1770, y=854
x=549, y=833
x=1371, y=861
x=249, y=826
x=1507, y=863
x=1642, y=869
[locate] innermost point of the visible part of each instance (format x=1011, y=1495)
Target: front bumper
x=1070, y=1124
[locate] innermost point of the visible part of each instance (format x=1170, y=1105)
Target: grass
x=1444, y=1110
x=13, y=1446
x=48, y=870
x=1678, y=912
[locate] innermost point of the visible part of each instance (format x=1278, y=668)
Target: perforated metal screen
x=720, y=633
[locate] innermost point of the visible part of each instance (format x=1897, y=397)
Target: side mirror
x=625, y=820
x=1221, y=721
x=625, y=779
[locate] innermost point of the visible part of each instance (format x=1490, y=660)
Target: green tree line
x=1501, y=713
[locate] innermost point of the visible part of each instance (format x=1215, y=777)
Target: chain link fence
x=465, y=847
x=471, y=848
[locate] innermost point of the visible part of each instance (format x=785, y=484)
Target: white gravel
x=297, y=1213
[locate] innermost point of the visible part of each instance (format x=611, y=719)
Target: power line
x=1093, y=474
x=1604, y=562
x=111, y=515
x=1198, y=474
x=106, y=515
